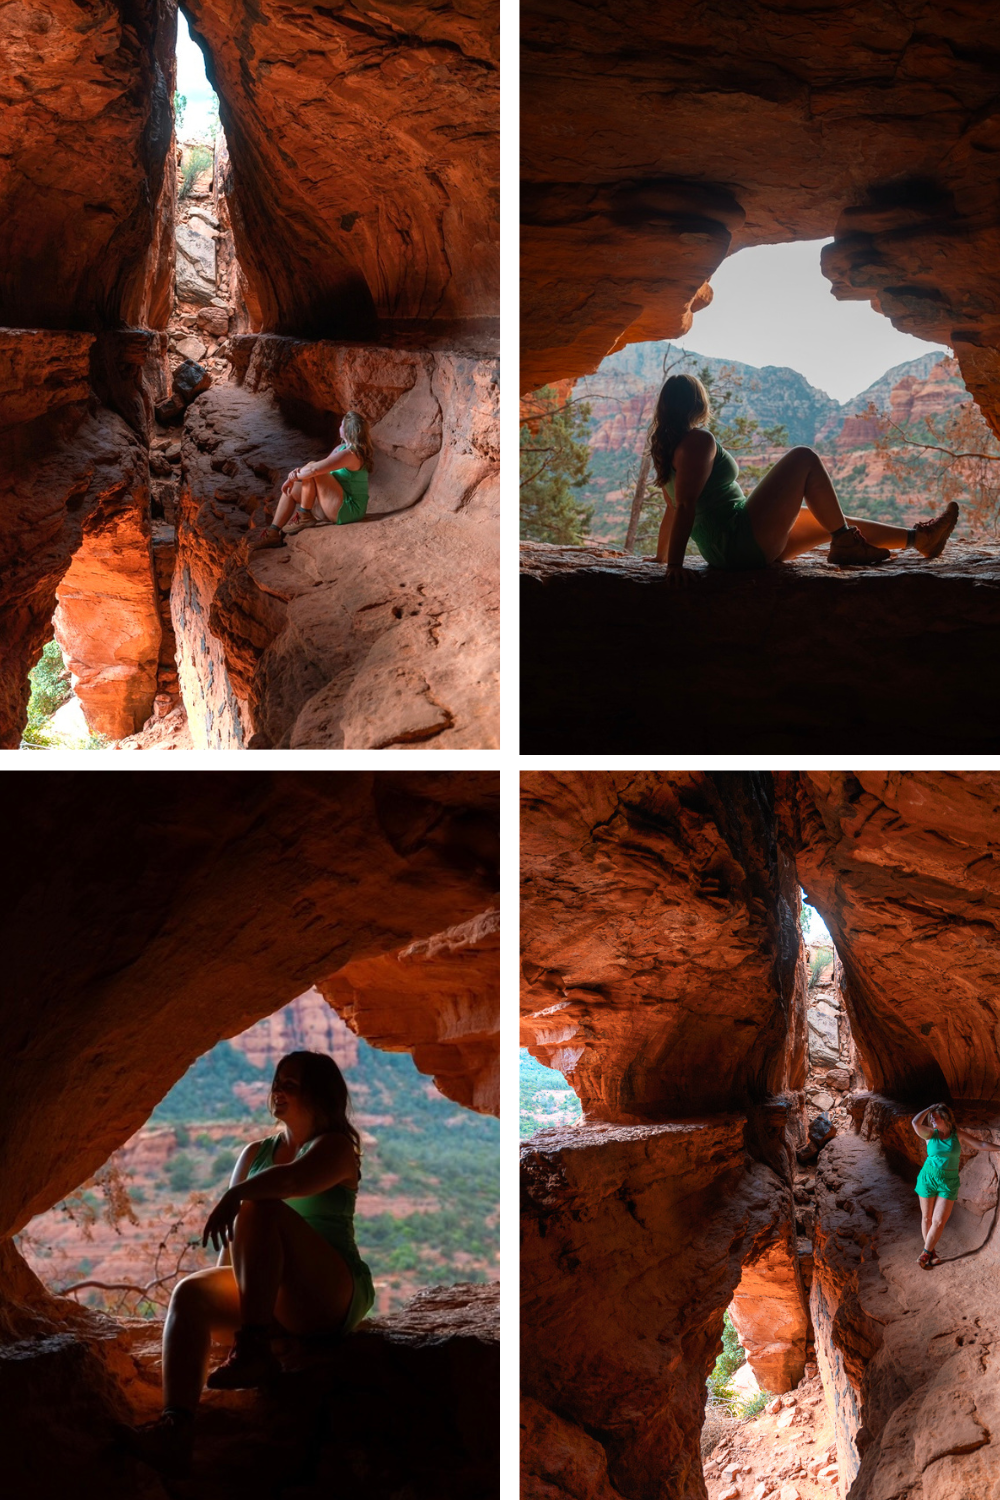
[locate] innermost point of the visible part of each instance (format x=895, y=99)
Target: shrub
x=200, y=158
x=49, y=680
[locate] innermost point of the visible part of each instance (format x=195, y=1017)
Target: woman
x=937, y=1184
x=337, y=485
x=288, y=1261
x=705, y=504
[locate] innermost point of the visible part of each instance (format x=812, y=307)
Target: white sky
x=813, y=926
x=774, y=306
x=191, y=81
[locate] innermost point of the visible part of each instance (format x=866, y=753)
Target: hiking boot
x=270, y=537
x=250, y=1362
x=932, y=535
x=166, y=1444
x=301, y=521
x=850, y=550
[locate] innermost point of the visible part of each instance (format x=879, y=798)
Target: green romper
x=331, y=1214
x=939, y=1173
x=354, y=483
x=722, y=531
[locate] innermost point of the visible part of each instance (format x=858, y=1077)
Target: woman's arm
x=326, y=1161
x=693, y=460
x=244, y=1162
x=342, y=457
x=975, y=1142
x=917, y=1122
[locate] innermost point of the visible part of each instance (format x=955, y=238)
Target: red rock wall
x=656, y=142
x=381, y=201
x=632, y=1245
x=187, y=907
x=660, y=946
x=329, y=642
x=900, y=866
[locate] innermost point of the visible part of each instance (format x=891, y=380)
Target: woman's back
x=720, y=487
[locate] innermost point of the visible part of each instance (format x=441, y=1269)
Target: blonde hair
x=682, y=404
x=359, y=439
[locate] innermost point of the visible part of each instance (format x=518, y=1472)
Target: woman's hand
x=678, y=576
x=219, y=1224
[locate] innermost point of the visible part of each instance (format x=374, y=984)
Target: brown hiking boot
x=932, y=535
x=270, y=537
x=250, y=1362
x=166, y=1444
x=302, y=520
x=850, y=550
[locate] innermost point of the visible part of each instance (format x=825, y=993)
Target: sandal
x=928, y=1260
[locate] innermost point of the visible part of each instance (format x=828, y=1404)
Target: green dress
x=331, y=1214
x=722, y=531
x=354, y=483
x=939, y=1173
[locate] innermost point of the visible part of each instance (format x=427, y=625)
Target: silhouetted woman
x=937, y=1184
x=288, y=1260
x=336, y=486
x=791, y=510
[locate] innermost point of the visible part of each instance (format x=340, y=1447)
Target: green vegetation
x=180, y=105
x=554, y=465
x=50, y=689
x=721, y=1391
x=206, y=1091
x=821, y=960
x=546, y=1098
x=199, y=159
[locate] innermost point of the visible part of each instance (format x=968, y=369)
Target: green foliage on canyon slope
x=554, y=466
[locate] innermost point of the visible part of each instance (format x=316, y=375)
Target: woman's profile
x=793, y=508
x=288, y=1261
x=335, y=486
x=937, y=1184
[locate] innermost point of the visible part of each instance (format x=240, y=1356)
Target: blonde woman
x=336, y=486
x=793, y=509
x=937, y=1185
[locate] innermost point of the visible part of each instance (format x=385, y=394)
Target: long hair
x=324, y=1090
x=943, y=1113
x=359, y=439
x=681, y=405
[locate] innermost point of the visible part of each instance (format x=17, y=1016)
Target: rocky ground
x=789, y=1452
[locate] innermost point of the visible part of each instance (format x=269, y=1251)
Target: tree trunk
x=637, y=499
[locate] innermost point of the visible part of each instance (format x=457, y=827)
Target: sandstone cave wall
x=902, y=868
x=153, y=915
x=653, y=145
x=660, y=930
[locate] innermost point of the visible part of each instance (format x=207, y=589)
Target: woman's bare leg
x=203, y=1303
x=329, y=494
x=926, y=1214
x=282, y=1263
x=807, y=533
x=941, y=1215
x=287, y=502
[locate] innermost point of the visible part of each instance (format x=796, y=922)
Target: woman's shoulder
x=698, y=443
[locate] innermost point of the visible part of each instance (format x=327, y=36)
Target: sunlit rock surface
x=799, y=657
x=378, y=634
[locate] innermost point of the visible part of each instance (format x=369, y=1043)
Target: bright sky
x=191, y=81
x=813, y=926
x=774, y=306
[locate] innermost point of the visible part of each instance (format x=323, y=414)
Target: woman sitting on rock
x=705, y=503
x=937, y=1185
x=288, y=1261
x=336, y=486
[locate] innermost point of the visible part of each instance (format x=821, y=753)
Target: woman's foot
x=166, y=1444
x=849, y=549
x=250, y=1362
x=928, y=1260
x=932, y=535
x=270, y=537
x=301, y=521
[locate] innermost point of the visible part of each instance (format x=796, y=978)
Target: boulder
x=214, y=320
x=195, y=266
x=190, y=379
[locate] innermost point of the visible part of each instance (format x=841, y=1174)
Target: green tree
x=180, y=105
x=555, y=462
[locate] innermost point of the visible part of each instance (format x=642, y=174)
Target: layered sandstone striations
x=382, y=633
x=633, y=1243
x=902, y=866
x=655, y=145
x=660, y=943
x=614, y=663
x=369, y=198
